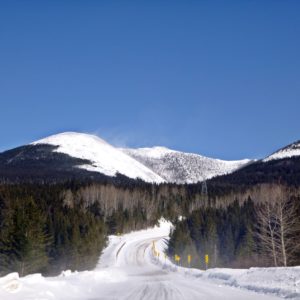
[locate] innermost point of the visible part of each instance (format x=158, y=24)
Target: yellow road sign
x=206, y=259
x=189, y=258
x=177, y=258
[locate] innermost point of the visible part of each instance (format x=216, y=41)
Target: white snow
x=284, y=282
x=105, y=158
x=157, y=164
x=154, y=152
x=286, y=152
x=181, y=167
x=128, y=269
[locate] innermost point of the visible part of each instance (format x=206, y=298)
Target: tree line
x=38, y=233
x=48, y=228
x=52, y=226
x=240, y=235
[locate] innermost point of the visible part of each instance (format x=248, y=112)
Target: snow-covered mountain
x=181, y=167
x=157, y=164
x=104, y=158
x=286, y=152
x=85, y=157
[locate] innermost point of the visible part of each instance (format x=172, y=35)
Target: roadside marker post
x=189, y=259
x=206, y=261
x=154, y=249
x=177, y=259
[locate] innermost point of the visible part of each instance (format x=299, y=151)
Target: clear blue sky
x=220, y=78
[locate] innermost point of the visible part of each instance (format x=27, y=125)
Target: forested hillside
x=238, y=236
x=39, y=233
x=49, y=224
x=250, y=218
x=52, y=227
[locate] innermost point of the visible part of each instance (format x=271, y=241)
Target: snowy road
x=149, y=277
x=127, y=270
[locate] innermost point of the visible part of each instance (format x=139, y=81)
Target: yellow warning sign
x=177, y=258
x=206, y=259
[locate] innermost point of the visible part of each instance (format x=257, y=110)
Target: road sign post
x=206, y=261
x=177, y=259
x=189, y=259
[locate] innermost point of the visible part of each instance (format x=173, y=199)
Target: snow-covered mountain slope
x=180, y=167
x=286, y=152
x=157, y=164
x=104, y=158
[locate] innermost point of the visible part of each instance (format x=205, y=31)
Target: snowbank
x=283, y=282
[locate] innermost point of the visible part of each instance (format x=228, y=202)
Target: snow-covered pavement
x=129, y=270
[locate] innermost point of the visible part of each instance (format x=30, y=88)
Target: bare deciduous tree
x=278, y=230
x=266, y=230
x=288, y=225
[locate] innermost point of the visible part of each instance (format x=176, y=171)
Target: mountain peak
x=105, y=158
x=69, y=136
x=290, y=150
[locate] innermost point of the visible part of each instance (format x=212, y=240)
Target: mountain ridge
x=73, y=155
x=290, y=150
x=158, y=164
x=182, y=167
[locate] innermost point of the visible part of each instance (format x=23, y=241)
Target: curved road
x=127, y=270
x=147, y=277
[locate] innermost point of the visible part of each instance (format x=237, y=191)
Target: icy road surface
x=128, y=270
